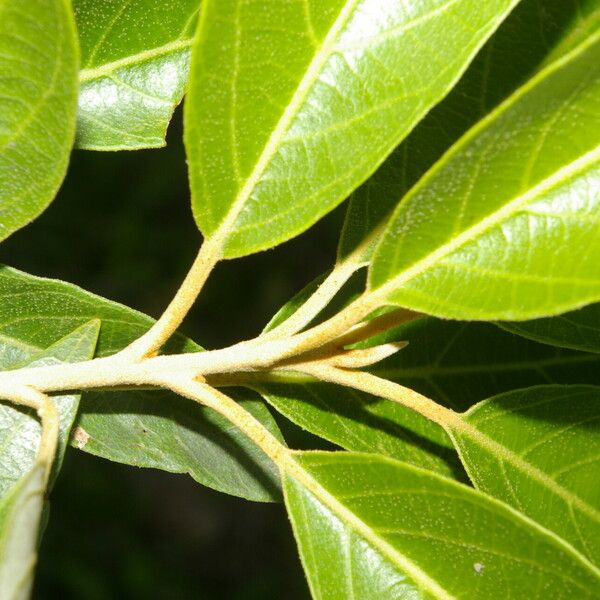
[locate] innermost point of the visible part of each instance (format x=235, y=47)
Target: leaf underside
x=370, y=527
x=155, y=429
x=290, y=108
x=487, y=234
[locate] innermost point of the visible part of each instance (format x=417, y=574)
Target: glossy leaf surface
x=373, y=528
x=544, y=458
x=535, y=33
x=363, y=423
x=292, y=107
x=155, y=428
x=579, y=329
x=38, y=103
x=458, y=364
x=135, y=62
x=474, y=237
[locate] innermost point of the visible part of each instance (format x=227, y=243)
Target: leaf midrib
x=500, y=451
x=297, y=471
x=507, y=209
x=315, y=67
x=109, y=68
x=220, y=233
x=496, y=367
x=433, y=259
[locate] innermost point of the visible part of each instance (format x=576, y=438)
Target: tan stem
x=317, y=302
x=233, y=412
x=48, y=414
x=371, y=384
x=171, y=319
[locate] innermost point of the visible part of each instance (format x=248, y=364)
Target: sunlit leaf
x=489, y=234
x=538, y=449
x=373, y=528
x=38, y=103
x=531, y=36
x=135, y=61
x=291, y=107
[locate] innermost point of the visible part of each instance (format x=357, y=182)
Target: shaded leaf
x=533, y=34
x=20, y=516
x=538, y=449
x=292, y=107
x=458, y=364
x=163, y=431
x=579, y=329
x=35, y=312
x=20, y=428
x=363, y=423
x=23, y=475
x=472, y=239
x=135, y=62
x=370, y=527
x=38, y=102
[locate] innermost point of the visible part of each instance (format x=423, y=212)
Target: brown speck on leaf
x=81, y=437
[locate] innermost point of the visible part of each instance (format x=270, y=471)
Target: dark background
x=122, y=227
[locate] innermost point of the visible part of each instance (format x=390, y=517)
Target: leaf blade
x=363, y=423
x=553, y=189
x=20, y=429
x=35, y=312
x=24, y=475
x=135, y=61
x=38, y=99
x=579, y=329
x=544, y=443
x=526, y=41
x=236, y=195
x=460, y=363
x=20, y=516
x=381, y=503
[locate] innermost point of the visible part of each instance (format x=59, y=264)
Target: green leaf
x=135, y=62
x=162, y=431
x=20, y=516
x=458, y=364
x=22, y=473
x=363, y=423
x=578, y=329
x=35, y=312
x=370, y=527
x=584, y=21
x=472, y=239
x=530, y=36
x=38, y=103
x=20, y=429
x=538, y=449
x=291, y=108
